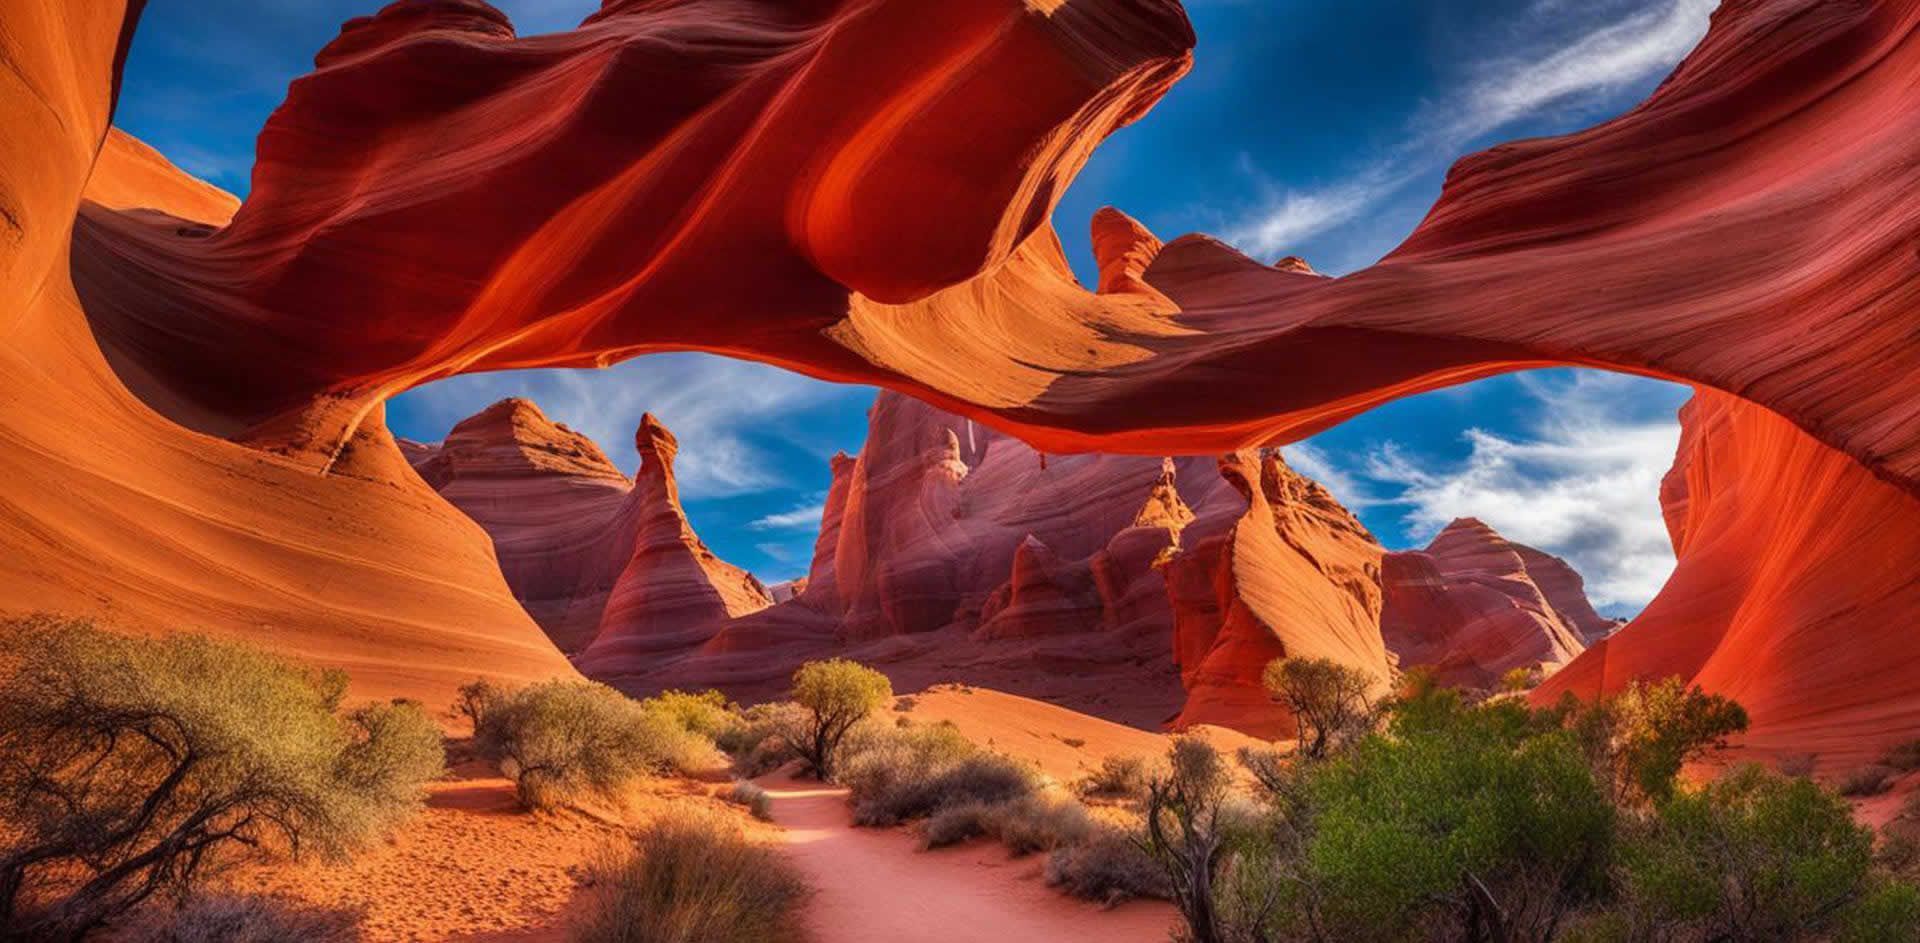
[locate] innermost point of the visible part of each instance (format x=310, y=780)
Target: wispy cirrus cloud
x=806, y=516
x=1560, y=55
x=1581, y=480
x=717, y=408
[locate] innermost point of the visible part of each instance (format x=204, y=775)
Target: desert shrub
x=132, y=767
x=1520, y=679
x=692, y=878
x=1120, y=776
x=1329, y=700
x=1074, y=742
x=1887, y=913
x=1184, y=832
x=758, y=744
x=1865, y=781
x=752, y=797
x=905, y=704
x=1904, y=757
x=707, y=714
x=563, y=741
x=1657, y=728
x=1754, y=856
x=1109, y=867
x=836, y=694
x=256, y=918
x=914, y=773
x=1798, y=764
x=1474, y=825
x=1025, y=825
x=475, y=698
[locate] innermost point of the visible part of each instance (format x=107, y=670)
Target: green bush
x=836, y=694
x=708, y=714
x=693, y=878
x=1658, y=728
x=1887, y=913
x=1329, y=700
x=257, y=918
x=1754, y=856
x=1517, y=680
x=564, y=741
x=131, y=767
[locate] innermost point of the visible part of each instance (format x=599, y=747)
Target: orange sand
x=876, y=886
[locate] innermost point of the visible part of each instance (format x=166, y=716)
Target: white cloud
x=1583, y=484
x=778, y=552
x=713, y=405
x=806, y=515
x=1312, y=461
x=1561, y=60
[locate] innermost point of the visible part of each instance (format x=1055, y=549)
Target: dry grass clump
x=1865, y=781
x=256, y=918
x=753, y=798
x=1904, y=757
x=1119, y=777
x=693, y=878
x=1025, y=826
x=1110, y=867
x=900, y=775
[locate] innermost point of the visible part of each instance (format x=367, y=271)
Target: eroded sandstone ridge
x=1796, y=591
x=190, y=407
x=1145, y=589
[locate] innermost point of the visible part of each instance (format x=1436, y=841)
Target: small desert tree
x=1639, y=740
x=131, y=767
x=1184, y=832
x=836, y=694
x=1329, y=701
x=562, y=741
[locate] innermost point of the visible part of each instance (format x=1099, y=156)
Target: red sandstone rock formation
x=557, y=509
x=860, y=191
x=1293, y=575
x=1795, y=592
x=949, y=551
x=673, y=591
x=1472, y=607
x=110, y=510
x=595, y=558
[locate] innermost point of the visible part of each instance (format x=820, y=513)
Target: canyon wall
x=190, y=395
x=1150, y=590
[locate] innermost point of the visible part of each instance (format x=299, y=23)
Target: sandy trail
x=876, y=886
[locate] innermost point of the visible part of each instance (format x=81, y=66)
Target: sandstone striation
x=190, y=407
x=1794, y=593
x=1474, y=606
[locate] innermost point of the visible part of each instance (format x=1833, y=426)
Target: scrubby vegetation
x=752, y=798
x=835, y=695
x=133, y=768
x=257, y=918
x=894, y=776
x=1330, y=701
x=562, y=742
x=692, y=878
x=1109, y=867
x=1118, y=777
x=1496, y=822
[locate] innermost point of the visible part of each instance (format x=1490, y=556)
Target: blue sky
x=1306, y=128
